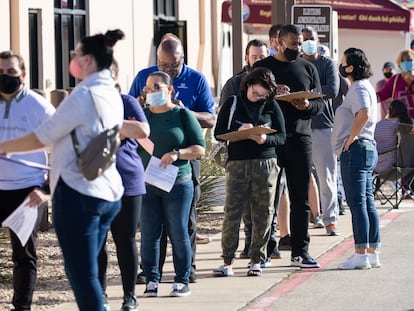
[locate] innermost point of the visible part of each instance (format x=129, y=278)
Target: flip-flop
x=222, y=271
x=254, y=270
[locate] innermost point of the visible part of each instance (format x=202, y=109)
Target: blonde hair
x=408, y=53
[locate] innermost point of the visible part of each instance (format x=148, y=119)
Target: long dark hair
x=398, y=109
x=101, y=47
x=358, y=59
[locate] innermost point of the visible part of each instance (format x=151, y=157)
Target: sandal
x=223, y=271
x=254, y=270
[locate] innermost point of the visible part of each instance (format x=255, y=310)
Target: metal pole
x=282, y=11
x=237, y=39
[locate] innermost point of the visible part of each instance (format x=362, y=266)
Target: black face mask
x=343, y=72
x=388, y=74
x=291, y=55
x=9, y=84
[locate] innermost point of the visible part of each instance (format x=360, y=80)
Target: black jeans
x=192, y=220
x=123, y=229
x=296, y=158
x=24, y=257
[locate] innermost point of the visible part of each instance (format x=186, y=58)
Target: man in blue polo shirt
x=191, y=91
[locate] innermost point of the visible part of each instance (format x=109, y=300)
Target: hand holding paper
x=22, y=221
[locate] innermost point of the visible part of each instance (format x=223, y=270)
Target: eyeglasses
x=155, y=88
x=258, y=95
x=175, y=66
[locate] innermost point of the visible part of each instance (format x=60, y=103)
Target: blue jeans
x=170, y=210
x=81, y=223
x=357, y=165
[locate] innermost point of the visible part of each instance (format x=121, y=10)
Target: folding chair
x=400, y=173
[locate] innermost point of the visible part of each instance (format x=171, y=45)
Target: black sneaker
x=302, y=262
x=129, y=304
x=151, y=290
x=180, y=290
x=193, y=277
x=285, y=244
x=141, y=278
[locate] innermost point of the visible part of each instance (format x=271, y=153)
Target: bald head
x=170, y=56
x=172, y=46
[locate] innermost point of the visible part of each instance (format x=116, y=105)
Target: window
x=166, y=20
x=34, y=49
x=70, y=27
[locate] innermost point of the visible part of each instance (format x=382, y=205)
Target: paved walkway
x=240, y=292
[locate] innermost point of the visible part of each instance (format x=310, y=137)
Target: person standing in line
x=193, y=92
x=256, y=50
x=251, y=170
x=22, y=111
x=124, y=226
x=353, y=142
x=401, y=86
x=273, y=35
x=82, y=209
x=323, y=156
x=177, y=138
x=388, y=70
x=296, y=74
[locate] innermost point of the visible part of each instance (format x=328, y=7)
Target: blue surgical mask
x=309, y=47
x=156, y=99
x=407, y=65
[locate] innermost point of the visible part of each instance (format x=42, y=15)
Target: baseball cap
x=388, y=65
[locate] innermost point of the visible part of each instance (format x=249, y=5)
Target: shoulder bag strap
x=73, y=132
x=393, y=85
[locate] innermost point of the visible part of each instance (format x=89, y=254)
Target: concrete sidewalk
x=228, y=293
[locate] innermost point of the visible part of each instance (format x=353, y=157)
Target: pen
x=239, y=122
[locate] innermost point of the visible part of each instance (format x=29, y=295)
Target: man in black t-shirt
x=295, y=74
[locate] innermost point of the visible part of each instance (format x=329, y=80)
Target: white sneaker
x=318, y=223
x=356, y=261
x=374, y=260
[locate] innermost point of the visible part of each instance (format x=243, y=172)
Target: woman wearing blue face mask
x=400, y=86
x=177, y=138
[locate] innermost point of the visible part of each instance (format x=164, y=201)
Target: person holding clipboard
x=251, y=170
x=296, y=75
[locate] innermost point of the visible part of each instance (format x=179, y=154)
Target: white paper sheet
x=22, y=221
x=163, y=178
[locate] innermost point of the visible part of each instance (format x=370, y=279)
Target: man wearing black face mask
x=22, y=111
x=388, y=71
x=294, y=73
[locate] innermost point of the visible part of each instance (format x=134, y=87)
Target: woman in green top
x=177, y=138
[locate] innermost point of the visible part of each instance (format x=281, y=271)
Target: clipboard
x=300, y=94
x=244, y=134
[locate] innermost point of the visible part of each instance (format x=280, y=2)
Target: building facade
x=45, y=31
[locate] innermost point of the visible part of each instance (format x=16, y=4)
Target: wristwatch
x=178, y=153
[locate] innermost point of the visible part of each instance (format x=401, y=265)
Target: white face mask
x=309, y=47
x=156, y=99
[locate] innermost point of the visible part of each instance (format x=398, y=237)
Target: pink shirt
x=402, y=91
